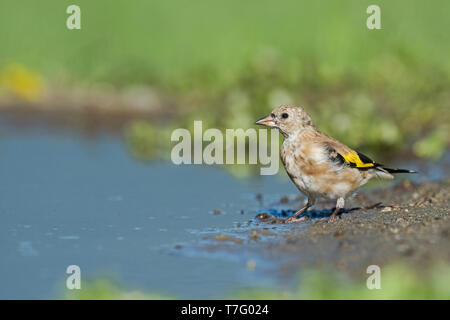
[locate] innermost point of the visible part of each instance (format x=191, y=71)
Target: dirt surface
x=412, y=224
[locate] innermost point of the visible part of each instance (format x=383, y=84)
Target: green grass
x=107, y=288
x=398, y=281
x=151, y=41
x=230, y=62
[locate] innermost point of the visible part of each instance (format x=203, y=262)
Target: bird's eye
x=284, y=115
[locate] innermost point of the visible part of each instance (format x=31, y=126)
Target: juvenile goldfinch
x=319, y=165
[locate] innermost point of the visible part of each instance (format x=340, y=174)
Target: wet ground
x=408, y=221
x=191, y=231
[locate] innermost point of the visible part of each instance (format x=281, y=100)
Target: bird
x=319, y=165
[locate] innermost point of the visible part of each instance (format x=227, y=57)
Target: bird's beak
x=267, y=121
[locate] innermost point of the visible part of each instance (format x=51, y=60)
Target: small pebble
x=223, y=237
x=254, y=235
x=284, y=199
x=251, y=265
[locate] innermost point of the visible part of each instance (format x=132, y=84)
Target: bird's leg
x=293, y=218
x=339, y=205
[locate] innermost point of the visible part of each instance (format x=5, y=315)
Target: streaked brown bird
x=320, y=166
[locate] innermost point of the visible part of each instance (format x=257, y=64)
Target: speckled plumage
x=320, y=166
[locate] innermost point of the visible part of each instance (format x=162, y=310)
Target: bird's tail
x=386, y=173
x=399, y=170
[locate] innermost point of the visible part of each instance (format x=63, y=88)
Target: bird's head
x=287, y=119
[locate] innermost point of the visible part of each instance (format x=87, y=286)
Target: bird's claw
x=294, y=219
x=332, y=219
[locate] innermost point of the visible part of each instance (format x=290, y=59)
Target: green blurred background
x=142, y=68
x=228, y=63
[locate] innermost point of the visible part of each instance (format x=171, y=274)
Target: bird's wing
x=340, y=153
x=358, y=160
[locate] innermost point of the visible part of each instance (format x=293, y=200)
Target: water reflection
x=65, y=200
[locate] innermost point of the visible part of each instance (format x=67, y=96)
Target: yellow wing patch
x=354, y=159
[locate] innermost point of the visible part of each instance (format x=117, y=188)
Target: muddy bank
x=411, y=224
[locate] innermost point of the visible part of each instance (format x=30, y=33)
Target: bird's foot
x=332, y=219
x=293, y=219
x=334, y=216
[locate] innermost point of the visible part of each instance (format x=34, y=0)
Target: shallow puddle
x=158, y=227
x=66, y=200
